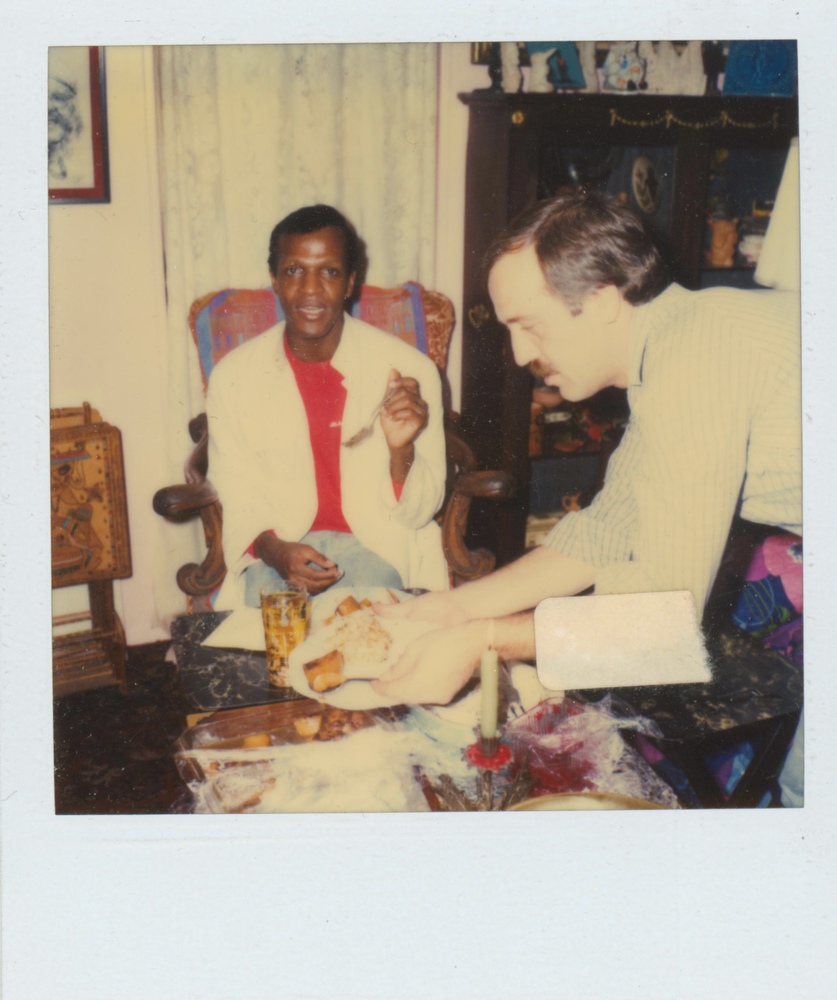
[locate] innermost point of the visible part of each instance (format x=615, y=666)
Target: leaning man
x=713, y=382
x=300, y=506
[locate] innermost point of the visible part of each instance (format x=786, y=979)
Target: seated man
x=714, y=389
x=300, y=508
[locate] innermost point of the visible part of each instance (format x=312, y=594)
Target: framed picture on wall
x=77, y=131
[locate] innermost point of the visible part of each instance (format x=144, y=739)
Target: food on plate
x=326, y=672
x=327, y=682
x=362, y=639
x=357, y=639
x=349, y=605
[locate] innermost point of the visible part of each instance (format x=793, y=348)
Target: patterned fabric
x=772, y=594
x=397, y=310
x=788, y=640
x=220, y=321
x=781, y=556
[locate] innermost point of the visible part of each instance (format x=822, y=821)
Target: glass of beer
x=285, y=617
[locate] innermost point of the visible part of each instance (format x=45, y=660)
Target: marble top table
x=752, y=683
x=213, y=678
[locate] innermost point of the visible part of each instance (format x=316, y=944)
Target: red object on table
x=493, y=763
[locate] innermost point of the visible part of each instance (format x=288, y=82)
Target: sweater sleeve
x=424, y=488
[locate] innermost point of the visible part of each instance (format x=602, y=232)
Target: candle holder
x=488, y=754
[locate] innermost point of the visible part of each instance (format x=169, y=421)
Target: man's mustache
x=540, y=369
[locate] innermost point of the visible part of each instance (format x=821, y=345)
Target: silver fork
x=366, y=431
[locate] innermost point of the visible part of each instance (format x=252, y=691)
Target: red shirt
x=324, y=397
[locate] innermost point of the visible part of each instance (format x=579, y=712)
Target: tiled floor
x=113, y=750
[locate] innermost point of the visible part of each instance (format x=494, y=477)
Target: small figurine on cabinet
x=722, y=243
x=510, y=60
x=555, y=65
x=673, y=67
x=623, y=69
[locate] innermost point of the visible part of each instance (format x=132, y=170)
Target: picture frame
x=77, y=145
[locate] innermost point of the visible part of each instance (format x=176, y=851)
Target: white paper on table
x=243, y=629
x=619, y=640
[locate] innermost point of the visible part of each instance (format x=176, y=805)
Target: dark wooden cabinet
x=515, y=148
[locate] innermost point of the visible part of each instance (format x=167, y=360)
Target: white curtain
x=250, y=133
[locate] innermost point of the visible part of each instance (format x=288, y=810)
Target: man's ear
x=274, y=281
x=351, y=285
x=608, y=301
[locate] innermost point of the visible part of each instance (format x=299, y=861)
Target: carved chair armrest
x=470, y=564
x=185, y=501
x=180, y=503
x=489, y=483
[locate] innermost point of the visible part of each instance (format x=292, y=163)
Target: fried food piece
x=326, y=682
x=347, y=606
x=256, y=740
x=308, y=727
x=326, y=672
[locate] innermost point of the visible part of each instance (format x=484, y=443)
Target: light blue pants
x=361, y=567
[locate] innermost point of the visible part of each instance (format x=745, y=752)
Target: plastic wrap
x=570, y=746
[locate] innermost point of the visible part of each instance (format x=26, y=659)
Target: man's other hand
x=298, y=564
x=434, y=667
x=439, y=607
x=404, y=415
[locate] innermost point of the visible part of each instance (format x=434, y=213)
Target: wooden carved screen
x=90, y=545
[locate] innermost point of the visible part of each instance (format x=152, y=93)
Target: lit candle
x=489, y=689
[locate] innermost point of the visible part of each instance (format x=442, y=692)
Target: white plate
x=357, y=695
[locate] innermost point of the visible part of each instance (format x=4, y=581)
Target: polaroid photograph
x=420, y=429
x=330, y=441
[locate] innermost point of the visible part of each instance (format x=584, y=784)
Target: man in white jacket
x=300, y=508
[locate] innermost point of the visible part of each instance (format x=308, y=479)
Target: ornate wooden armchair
x=221, y=320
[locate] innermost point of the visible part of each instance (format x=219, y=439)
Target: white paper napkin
x=619, y=640
x=243, y=629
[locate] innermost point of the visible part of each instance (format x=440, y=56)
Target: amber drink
x=285, y=616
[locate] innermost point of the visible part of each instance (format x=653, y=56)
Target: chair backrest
x=220, y=321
